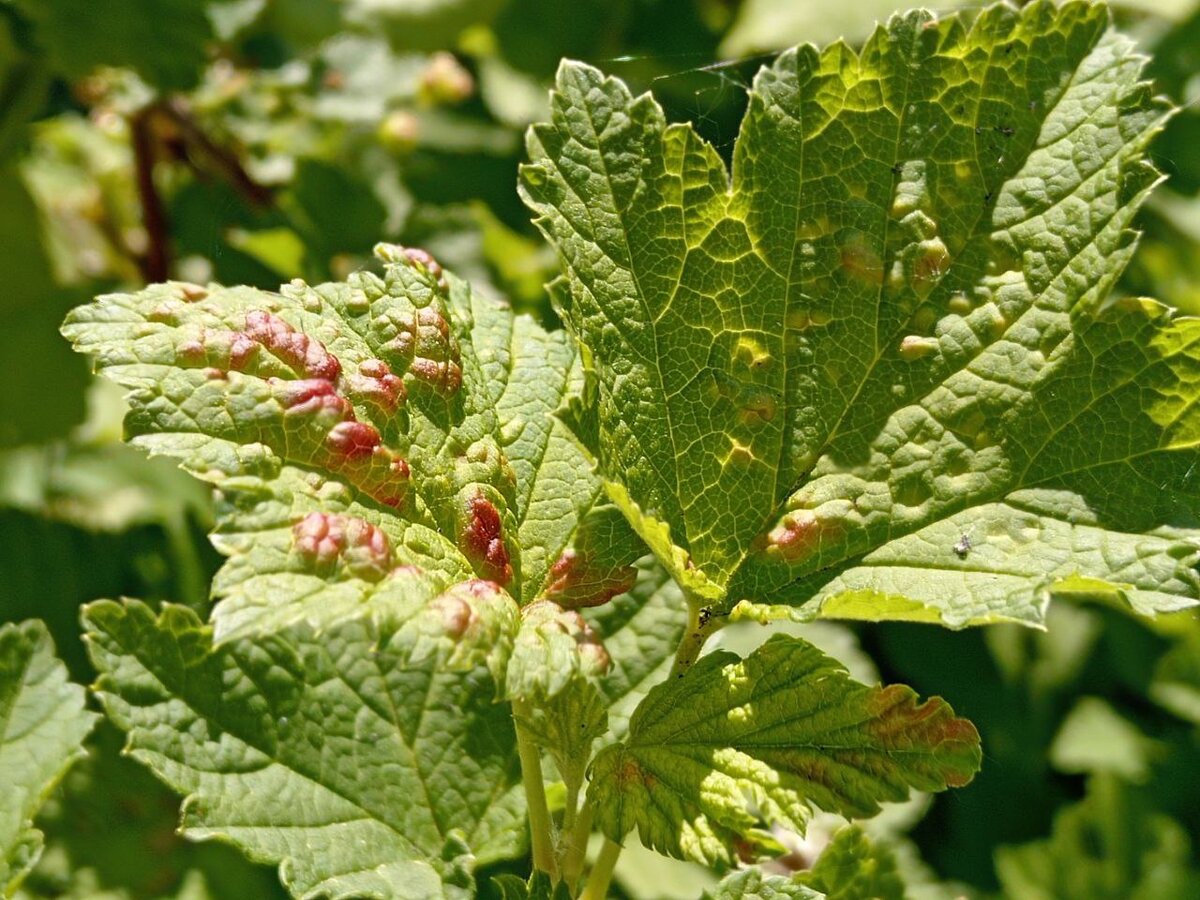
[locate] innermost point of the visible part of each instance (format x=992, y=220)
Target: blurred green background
x=255, y=141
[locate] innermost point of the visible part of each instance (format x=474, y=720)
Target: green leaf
x=42, y=726
x=853, y=867
x=1176, y=684
x=640, y=631
x=110, y=835
x=355, y=429
x=43, y=395
x=871, y=372
x=553, y=649
x=1094, y=737
x=1107, y=847
x=753, y=884
x=362, y=759
x=782, y=730
x=537, y=888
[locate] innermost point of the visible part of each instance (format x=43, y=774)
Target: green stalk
x=541, y=828
x=700, y=625
x=602, y=872
x=575, y=846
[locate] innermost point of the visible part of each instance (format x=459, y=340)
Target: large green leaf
x=783, y=729
x=358, y=428
x=42, y=726
x=870, y=373
x=369, y=759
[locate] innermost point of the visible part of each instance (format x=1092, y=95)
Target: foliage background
x=253, y=141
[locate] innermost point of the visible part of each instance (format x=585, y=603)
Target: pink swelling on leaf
x=353, y=439
x=575, y=583
x=312, y=396
x=481, y=539
x=306, y=355
x=326, y=539
x=376, y=383
x=796, y=537
x=456, y=607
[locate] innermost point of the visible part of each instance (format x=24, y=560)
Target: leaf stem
x=602, y=872
x=575, y=845
x=701, y=623
x=540, y=825
x=571, y=810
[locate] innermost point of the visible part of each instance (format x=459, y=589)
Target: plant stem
x=701, y=623
x=602, y=872
x=571, y=810
x=575, y=846
x=540, y=826
x=155, y=263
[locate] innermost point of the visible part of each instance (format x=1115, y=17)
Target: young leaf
x=537, y=888
x=361, y=758
x=556, y=662
x=357, y=428
x=783, y=729
x=42, y=727
x=553, y=649
x=870, y=373
x=1176, y=684
x=753, y=884
x=854, y=868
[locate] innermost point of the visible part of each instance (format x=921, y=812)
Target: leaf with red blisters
x=399, y=400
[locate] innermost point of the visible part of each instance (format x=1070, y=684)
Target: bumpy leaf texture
x=368, y=758
x=753, y=884
x=872, y=372
x=42, y=726
x=735, y=743
x=393, y=485
x=355, y=430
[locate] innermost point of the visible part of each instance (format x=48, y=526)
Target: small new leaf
x=553, y=648
x=538, y=887
x=42, y=726
x=754, y=884
x=852, y=867
x=780, y=731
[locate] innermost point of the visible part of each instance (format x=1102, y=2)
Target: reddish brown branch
x=155, y=262
x=218, y=158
